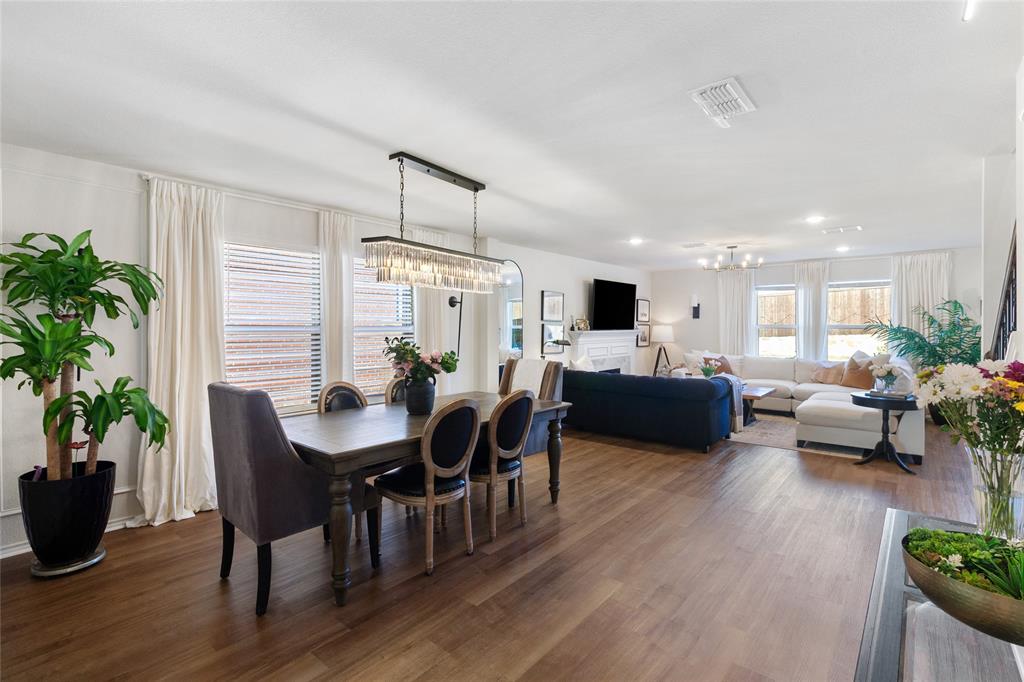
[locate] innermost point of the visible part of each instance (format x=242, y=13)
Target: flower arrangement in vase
x=886, y=374
x=419, y=370
x=709, y=367
x=983, y=406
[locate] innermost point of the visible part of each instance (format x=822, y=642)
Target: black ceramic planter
x=419, y=397
x=65, y=520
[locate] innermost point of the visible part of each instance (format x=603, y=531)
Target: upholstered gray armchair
x=263, y=488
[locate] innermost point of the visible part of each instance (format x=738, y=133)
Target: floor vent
x=723, y=100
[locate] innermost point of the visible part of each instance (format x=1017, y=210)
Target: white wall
x=671, y=291
x=49, y=193
x=573, y=277
x=999, y=205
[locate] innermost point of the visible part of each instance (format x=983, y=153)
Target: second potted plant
x=420, y=371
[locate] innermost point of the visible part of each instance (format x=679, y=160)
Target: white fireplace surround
x=608, y=349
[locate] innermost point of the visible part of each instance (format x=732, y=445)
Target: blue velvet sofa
x=691, y=413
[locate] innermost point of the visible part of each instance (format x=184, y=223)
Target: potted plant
x=419, y=370
x=65, y=505
x=984, y=408
x=709, y=366
x=950, y=336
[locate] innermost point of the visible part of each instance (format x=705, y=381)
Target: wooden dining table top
x=344, y=433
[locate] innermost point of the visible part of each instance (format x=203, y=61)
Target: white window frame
x=315, y=330
x=757, y=316
x=854, y=284
x=406, y=331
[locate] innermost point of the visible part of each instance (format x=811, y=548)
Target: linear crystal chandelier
x=401, y=261
x=719, y=266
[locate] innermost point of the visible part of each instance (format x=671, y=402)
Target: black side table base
x=884, y=447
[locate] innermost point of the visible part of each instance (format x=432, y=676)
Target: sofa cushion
x=858, y=374
x=805, y=391
x=755, y=367
x=829, y=373
x=783, y=388
x=837, y=412
x=803, y=370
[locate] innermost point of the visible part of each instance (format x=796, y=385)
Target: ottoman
x=833, y=418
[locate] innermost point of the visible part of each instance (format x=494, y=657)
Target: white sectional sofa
x=824, y=412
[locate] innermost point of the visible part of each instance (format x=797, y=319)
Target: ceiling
x=575, y=115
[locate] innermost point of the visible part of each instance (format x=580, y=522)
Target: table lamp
x=662, y=334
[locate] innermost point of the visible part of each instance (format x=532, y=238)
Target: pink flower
x=436, y=356
x=425, y=359
x=407, y=365
x=435, y=367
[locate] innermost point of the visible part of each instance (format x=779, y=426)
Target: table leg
x=748, y=413
x=554, y=457
x=341, y=535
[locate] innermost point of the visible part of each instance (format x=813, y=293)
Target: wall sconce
x=695, y=306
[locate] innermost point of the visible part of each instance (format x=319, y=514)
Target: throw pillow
x=723, y=367
x=858, y=374
x=829, y=373
x=584, y=364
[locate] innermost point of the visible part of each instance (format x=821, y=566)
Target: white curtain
x=919, y=280
x=336, y=272
x=430, y=307
x=185, y=348
x=737, y=310
x=812, y=310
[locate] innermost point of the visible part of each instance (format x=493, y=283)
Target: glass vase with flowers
x=983, y=405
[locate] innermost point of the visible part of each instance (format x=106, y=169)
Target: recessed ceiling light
x=702, y=261
x=636, y=241
x=842, y=249
x=969, y=9
x=815, y=219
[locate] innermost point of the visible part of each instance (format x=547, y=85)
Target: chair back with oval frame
x=394, y=392
x=340, y=395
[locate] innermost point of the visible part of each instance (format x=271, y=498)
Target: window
x=380, y=310
x=514, y=315
x=776, y=322
x=272, y=323
x=851, y=305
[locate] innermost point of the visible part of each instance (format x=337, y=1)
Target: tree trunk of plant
x=67, y=387
x=92, y=454
x=52, y=446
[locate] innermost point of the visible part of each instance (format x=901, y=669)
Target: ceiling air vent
x=842, y=229
x=723, y=100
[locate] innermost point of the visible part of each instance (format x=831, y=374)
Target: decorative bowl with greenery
x=976, y=579
x=54, y=292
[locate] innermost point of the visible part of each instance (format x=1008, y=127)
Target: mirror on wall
x=509, y=296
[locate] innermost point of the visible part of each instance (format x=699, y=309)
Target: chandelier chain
x=474, y=221
x=401, y=198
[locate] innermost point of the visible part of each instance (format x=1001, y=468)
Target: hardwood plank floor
x=749, y=563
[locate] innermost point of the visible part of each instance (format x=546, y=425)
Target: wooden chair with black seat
x=544, y=379
x=446, y=448
x=394, y=392
x=342, y=395
x=263, y=488
x=501, y=458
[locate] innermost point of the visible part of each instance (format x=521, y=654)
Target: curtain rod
x=267, y=199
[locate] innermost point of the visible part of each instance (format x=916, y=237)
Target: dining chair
x=342, y=395
x=544, y=378
x=263, y=488
x=501, y=458
x=446, y=448
x=394, y=392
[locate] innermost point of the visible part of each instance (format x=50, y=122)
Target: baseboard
x=23, y=546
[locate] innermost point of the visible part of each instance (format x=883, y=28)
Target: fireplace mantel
x=608, y=348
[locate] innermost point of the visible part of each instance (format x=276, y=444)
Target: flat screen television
x=614, y=305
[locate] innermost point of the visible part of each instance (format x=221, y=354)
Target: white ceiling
x=575, y=115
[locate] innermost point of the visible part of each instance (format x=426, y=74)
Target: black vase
x=65, y=520
x=419, y=397
x=937, y=417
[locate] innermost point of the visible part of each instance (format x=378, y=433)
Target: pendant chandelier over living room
x=401, y=261
x=720, y=266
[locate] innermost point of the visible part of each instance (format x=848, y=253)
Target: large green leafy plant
x=70, y=282
x=950, y=336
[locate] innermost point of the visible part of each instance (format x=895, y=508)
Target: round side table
x=885, y=403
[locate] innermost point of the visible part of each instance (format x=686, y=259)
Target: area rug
x=779, y=431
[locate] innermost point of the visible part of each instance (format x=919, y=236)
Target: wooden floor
x=749, y=563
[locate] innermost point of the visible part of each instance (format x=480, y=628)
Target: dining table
x=346, y=442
